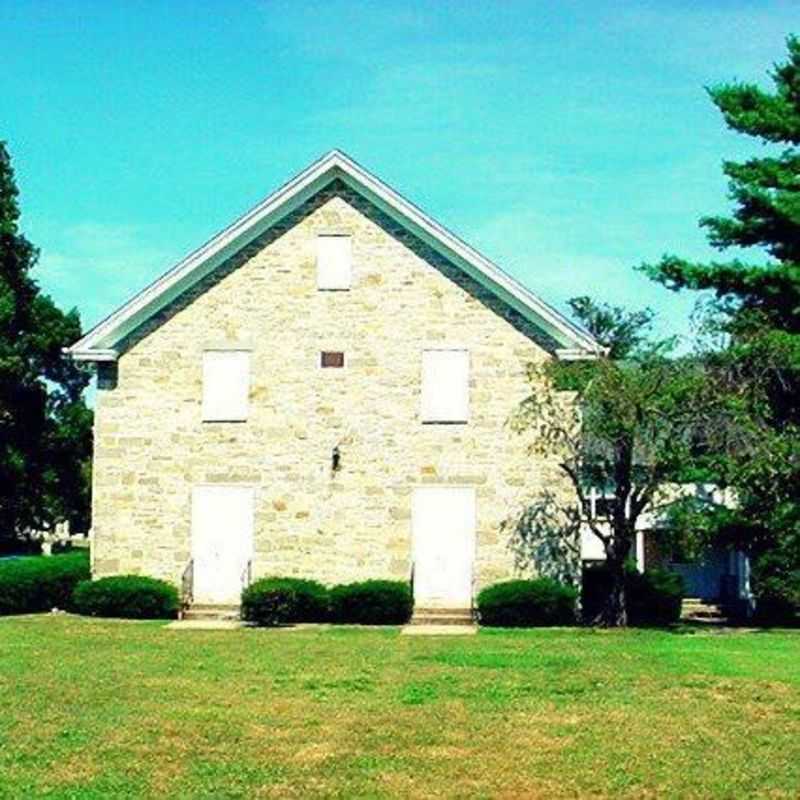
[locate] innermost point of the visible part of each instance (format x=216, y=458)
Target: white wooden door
x=222, y=541
x=443, y=525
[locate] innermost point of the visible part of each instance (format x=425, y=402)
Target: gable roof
x=100, y=343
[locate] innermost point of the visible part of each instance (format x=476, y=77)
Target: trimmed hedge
x=312, y=600
x=19, y=547
x=127, y=596
x=41, y=583
x=281, y=601
x=268, y=602
x=375, y=602
x=653, y=597
x=527, y=604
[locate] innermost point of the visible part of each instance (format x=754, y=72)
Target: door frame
x=473, y=548
x=228, y=485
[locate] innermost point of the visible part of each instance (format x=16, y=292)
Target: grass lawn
x=102, y=709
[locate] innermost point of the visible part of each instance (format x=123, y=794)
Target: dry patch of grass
x=92, y=709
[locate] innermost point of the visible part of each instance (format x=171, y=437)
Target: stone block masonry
x=151, y=446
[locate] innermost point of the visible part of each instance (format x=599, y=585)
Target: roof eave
x=105, y=335
x=209, y=256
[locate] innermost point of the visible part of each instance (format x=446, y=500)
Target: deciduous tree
x=626, y=425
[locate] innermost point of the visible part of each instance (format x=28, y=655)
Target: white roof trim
x=575, y=354
x=97, y=354
x=98, y=344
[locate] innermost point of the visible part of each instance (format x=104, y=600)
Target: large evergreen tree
x=758, y=306
x=45, y=427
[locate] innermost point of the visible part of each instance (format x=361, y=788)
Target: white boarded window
x=445, y=385
x=334, y=262
x=226, y=385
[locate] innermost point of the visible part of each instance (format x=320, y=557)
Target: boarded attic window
x=331, y=358
x=334, y=256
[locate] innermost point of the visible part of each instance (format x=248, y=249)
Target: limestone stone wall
x=151, y=446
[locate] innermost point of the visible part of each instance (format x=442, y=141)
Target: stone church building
x=322, y=390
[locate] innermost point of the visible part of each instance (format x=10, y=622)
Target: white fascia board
x=101, y=339
x=97, y=354
x=567, y=354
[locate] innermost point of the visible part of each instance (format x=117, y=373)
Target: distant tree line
x=45, y=425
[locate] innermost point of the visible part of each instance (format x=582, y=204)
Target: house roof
x=102, y=341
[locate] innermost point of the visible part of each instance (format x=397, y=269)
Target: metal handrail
x=187, y=584
x=247, y=573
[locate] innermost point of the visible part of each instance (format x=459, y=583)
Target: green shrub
x=527, y=603
x=653, y=597
x=778, y=600
x=304, y=601
x=374, y=602
x=20, y=547
x=312, y=600
x=40, y=583
x=270, y=602
x=775, y=581
x=126, y=596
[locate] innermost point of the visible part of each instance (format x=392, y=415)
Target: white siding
x=592, y=548
x=226, y=385
x=445, y=385
x=334, y=262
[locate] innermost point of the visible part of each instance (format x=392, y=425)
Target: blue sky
x=568, y=141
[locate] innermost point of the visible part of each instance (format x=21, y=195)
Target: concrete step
x=439, y=630
x=705, y=615
x=693, y=608
x=205, y=625
x=442, y=616
x=201, y=611
x=441, y=620
x=698, y=601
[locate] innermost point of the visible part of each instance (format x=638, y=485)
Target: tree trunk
x=615, y=613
